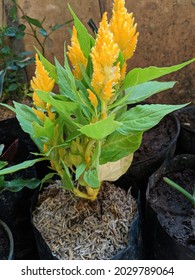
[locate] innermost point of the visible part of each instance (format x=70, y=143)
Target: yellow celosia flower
x=104, y=55
x=39, y=114
x=51, y=115
x=41, y=81
x=76, y=55
x=92, y=98
x=123, y=28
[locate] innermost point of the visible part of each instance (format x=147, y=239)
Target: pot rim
x=177, y=123
x=11, y=240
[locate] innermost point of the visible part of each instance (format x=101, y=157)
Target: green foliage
x=78, y=130
x=16, y=185
x=13, y=78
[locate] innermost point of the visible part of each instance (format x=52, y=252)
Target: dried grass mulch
x=75, y=228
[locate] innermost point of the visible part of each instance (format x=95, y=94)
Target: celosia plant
x=86, y=131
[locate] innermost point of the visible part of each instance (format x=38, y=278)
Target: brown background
x=166, y=27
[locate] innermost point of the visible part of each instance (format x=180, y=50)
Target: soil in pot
x=186, y=139
x=74, y=228
x=170, y=216
x=157, y=143
x=6, y=242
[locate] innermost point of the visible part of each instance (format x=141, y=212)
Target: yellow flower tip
x=123, y=28
x=104, y=115
x=104, y=56
x=41, y=81
x=93, y=99
x=76, y=55
x=38, y=102
x=39, y=114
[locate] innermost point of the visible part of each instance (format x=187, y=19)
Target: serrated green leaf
x=66, y=82
x=143, y=117
x=118, y=146
x=141, y=92
x=100, y=129
x=141, y=75
x=70, y=111
x=26, y=116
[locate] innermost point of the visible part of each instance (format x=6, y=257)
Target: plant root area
x=76, y=228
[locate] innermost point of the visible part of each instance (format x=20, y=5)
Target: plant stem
x=181, y=190
x=33, y=29
x=2, y=14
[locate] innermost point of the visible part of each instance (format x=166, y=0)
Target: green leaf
x=143, y=117
x=10, y=31
x=2, y=76
x=18, y=184
x=51, y=69
x=33, y=21
x=118, y=146
x=70, y=111
x=1, y=148
x=142, y=75
x=3, y=164
x=91, y=178
x=67, y=178
x=100, y=129
x=23, y=165
x=86, y=41
x=141, y=92
x=44, y=132
x=66, y=82
x=26, y=116
x=80, y=169
x=43, y=32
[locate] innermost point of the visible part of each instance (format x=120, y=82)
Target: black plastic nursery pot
x=133, y=250
x=157, y=143
x=6, y=242
x=186, y=139
x=169, y=216
x=15, y=206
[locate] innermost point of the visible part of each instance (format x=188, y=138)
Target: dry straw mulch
x=75, y=228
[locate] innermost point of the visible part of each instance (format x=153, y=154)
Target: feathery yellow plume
x=41, y=81
x=92, y=98
x=123, y=28
x=39, y=114
x=104, y=55
x=76, y=55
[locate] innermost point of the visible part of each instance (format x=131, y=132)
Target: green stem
x=33, y=29
x=3, y=14
x=181, y=190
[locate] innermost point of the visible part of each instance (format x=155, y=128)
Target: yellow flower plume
x=41, y=81
x=123, y=28
x=92, y=98
x=104, y=55
x=76, y=55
